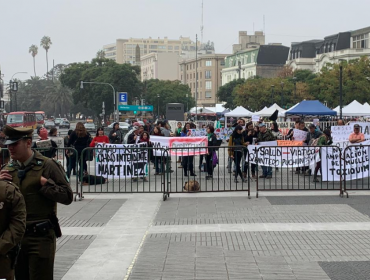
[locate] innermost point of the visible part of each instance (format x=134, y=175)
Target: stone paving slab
x=234, y=210
x=347, y=270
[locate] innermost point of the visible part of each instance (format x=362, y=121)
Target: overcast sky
x=79, y=28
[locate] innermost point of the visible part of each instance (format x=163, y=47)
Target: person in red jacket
x=99, y=138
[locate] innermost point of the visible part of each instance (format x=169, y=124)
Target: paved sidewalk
x=317, y=235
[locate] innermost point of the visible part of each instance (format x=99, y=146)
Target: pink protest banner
x=188, y=146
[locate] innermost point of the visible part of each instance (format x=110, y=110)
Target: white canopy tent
x=201, y=111
x=238, y=112
x=266, y=112
x=355, y=108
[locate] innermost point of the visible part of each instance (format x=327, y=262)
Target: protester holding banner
x=187, y=161
x=115, y=135
x=47, y=146
x=133, y=138
x=236, y=143
x=340, y=122
x=356, y=136
x=290, y=133
x=178, y=134
x=324, y=140
x=99, y=138
x=157, y=159
x=249, y=134
x=313, y=136
x=265, y=135
x=211, y=157
x=145, y=138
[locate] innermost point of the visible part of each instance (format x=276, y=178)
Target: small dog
x=192, y=186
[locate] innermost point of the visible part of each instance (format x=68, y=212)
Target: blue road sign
x=123, y=97
x=135, y=107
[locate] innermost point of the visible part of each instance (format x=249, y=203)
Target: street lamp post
x=340, y=90
x=13, y=88
x=158, y=104
x=187, y=102
x=272, y=94
x=115, y=110
x=282, y=94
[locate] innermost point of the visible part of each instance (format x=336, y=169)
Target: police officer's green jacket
x=12, y=216
x=41, y=200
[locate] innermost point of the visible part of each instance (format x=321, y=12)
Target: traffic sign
x=135, y=108
x=122, y=97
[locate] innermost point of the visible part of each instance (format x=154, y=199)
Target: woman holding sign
x=187, y=161
x=210, y=157
x=99, y=138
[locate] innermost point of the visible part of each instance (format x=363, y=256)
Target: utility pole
x=340, y=90
x=196, y=77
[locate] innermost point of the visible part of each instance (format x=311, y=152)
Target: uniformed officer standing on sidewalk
x=12, y=227
x=43, y=183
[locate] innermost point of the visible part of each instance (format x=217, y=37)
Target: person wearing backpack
x=236, y=143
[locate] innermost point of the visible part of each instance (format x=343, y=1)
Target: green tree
x=123, y=77
x=33, y=50
x=225, y=93
x=46, y=43
x=159, y=93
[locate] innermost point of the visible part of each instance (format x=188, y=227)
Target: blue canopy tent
x=311, y=108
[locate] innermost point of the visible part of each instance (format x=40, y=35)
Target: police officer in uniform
x=43, y=183
x=12, y=227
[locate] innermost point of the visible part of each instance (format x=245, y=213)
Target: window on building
x=187, y=67
x=177, y=48
x=222, y=62
x=208, y=62
x=208, y=94
x=361, y=41
x=194, y=75
x=208, y=84
x=208, y=74
x=194, y=85
x=153, y=46
x=170, y=47
x=201, y=84
x=162, y=47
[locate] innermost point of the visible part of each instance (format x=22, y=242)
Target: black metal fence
x=294, y=168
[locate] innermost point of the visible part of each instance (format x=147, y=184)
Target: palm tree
x=46, y=43
x=33, y=51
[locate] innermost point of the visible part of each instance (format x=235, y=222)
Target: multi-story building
x=162, y=66
x=314, y=54
x=209, y=68
x=124, y=50
x=264, y=61
x=247, y=41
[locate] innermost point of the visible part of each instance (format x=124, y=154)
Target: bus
x=40, y=116
x=22, y=119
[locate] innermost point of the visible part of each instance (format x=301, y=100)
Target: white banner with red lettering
x=179, y=146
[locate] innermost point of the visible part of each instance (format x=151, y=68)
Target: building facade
x=315, y=54
x=209, y=68
x=125, y=50
x=247, y=41
x=263, y=61
x=162, y=66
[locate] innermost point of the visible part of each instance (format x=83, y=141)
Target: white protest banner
x=60, y=143
x=283, y=156
x=44, y=144
x=315, y=122
x=341, y=132
x=350, y=164
x=224, y=133
x=299, y=135
x=255, y=118
x=188, y=146
x=121, y=160
x=183, y=146
x=198, y=132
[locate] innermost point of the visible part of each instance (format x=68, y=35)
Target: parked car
x=65, y=124
x=58, y=121
x=49, y=124
x=90, y=127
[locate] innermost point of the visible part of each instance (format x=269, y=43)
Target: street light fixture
x=272, y=95
x=13, y=88
x=282, y=94
x=115, y=110
x=187, y=103
x=158, y=104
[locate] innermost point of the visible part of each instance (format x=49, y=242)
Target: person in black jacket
x=115, y=135
x=248, y=134
x=212, y=142
x=79, y=139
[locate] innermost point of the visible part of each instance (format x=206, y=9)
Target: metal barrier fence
x=202, y=169
x=122, y=170
x=295, y=169
x=356, y=172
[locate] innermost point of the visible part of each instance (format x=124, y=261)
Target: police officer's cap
x=14, y=134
